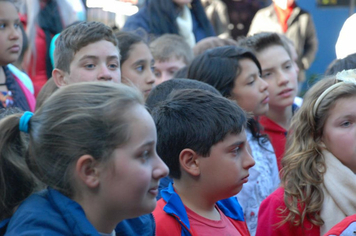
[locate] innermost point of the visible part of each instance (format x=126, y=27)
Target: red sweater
x=277, y=136
x=269, y=217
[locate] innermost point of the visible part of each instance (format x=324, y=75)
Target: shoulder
x=23, y=77
x=166, y=224
x=274, y=200
x=345, y=227
x=264, y=12
x=140, y=226
x=138, y=20
x=26, y=218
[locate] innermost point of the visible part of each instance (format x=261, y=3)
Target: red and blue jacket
x=172, y=219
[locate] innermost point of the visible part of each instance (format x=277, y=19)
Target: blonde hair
x=84, y=118
x=303, y=164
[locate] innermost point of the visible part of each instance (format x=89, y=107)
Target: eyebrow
x=238, y=143
x=140, y=61
x=148, y=143
x=96, y=57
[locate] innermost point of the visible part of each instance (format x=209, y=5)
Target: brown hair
x=46, y=91
x=303, y=164
x=77, y=36
x=79, y=119
x=171, y=45
x=261, y=41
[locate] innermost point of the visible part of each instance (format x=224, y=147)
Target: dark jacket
x=51, y=213
x=141, y=21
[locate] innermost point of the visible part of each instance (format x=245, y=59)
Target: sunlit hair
x=303, y=164
x=261, y=41
x=89, y=118
x=171, y=45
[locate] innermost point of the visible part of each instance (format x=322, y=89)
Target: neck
x=281, y=116
x=196, y=200
x=97, y=214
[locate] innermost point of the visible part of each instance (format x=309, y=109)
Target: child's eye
x=266, y=75
x=153, y=69
x=113, y=66
x=172, y=72
x=346, y=124
x=236, y=150
x=288, y=66
x=2, y=25
x=157, y=73
x=145, y=155
x=251, y=82
x=89, y=66
x=17, y=25
x=140, y=68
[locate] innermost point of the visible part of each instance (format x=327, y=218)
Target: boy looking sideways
x=201, y=138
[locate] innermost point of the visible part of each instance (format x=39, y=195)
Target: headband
x=345, y=76
x=24, y=120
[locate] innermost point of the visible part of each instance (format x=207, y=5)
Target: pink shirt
x=206, y=227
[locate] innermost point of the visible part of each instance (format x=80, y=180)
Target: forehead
x=343, y=106
x=139, y=51
x=102, y=48
x=142, y=126
x=272, y=56
x=8, y=11
x=171, y=62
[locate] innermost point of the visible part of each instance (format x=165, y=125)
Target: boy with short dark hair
x=170, y=53
x=201, y=138
x=87, y=51
x=280, y=74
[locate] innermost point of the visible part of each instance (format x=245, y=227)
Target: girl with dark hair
x=184, y=17
x=235, y=72
x=136, y=62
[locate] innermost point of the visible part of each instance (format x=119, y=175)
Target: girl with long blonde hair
x=318, y=181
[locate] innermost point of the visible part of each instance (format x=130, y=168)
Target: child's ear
x=189, y=161
x=59, y=77
x=87, y=169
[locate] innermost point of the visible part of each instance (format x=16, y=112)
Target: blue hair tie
x=25, y=118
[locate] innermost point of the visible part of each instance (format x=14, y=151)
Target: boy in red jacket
x=201, y=138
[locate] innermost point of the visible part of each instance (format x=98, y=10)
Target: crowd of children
x=130, y=137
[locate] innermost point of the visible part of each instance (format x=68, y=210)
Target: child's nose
x=151, y=78
x=264, y=84
x=14, y=34
x=282, y=79
x=104, y=74
x=248, y=161
x=160, y=170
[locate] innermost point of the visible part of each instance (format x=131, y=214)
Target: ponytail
x=16, y=180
